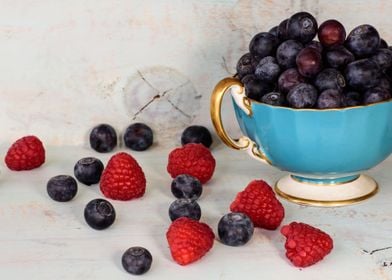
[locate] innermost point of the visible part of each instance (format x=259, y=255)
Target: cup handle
x=238, y=93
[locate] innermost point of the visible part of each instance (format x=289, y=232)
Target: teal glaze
x=319, y=181
x=324, y=143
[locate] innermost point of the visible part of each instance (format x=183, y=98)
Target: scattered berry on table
x=88, y=170
x=259, y=203
x=184, y=207
x=305, y=245
x=103, y=138
x=186, y=186
x=136, y=260
x=196, y=134
x=99, y=214
x=138, y=137
x=62, y=188
x=235, y=229
x=193, y=159
x=123, y=178
x=189, y=240
x=25, y=153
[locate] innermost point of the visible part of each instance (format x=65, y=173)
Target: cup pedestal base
x=319, y=193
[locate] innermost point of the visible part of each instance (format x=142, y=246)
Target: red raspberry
x=25, y=154
x=123, y=178
x=192, y=159
x=259, y=202
x=305, y=245
x=189, y=240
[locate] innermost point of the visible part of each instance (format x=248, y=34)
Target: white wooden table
x=44, y=239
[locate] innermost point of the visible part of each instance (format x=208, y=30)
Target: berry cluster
x=286, y=67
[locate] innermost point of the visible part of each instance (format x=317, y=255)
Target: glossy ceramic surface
x=320, y=142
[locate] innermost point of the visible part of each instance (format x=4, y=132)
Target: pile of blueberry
x=287, y=67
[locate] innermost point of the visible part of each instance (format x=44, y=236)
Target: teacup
x=324, y=151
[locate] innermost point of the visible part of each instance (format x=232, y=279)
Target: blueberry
x=309, y=62
x=282, y=30
x=88, y=170
x=302, y=96
x=273, y=98
x=136, y=260
x=316, y=45
x=302, y=27
x=103, y=138
x=375, y=95
x=289, y=79
x=287, y=53
x=339, y=57
x=99, y=214
x=363, y=40
x=351, y=98
x=362, y=74
x=263, y=44
x=196, y=134
x=248, y=78
x=331, y=33
x=267, y=59
x=184, y=208
x=268, y=72
x=186, y=186
x=383, y=44
x=385, y=84
x=235, y=229
x=62, y=188
x=330, y=98
x=244, y=65
x=274, y=31
x=255, y=88
x=329, y=78
x=383, y=58
x=138, y=137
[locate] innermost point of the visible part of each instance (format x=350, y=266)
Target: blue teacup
x=324, y=151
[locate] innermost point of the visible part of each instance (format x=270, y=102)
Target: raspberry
x=123, y=178
x=192, y=159
x=306, y=245
x=189, y=240
x=25, y=154
x=259, y=202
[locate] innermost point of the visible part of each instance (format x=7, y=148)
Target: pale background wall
x=68, y=65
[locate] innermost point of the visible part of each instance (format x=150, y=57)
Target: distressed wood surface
x=68, y=65
x=43, y=239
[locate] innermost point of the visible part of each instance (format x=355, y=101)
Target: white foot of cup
x=330, y=195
